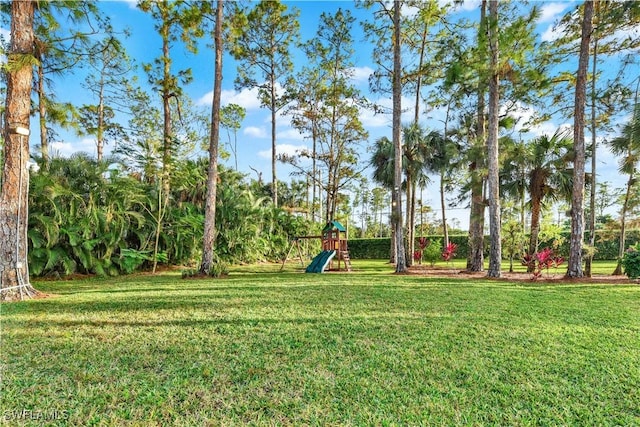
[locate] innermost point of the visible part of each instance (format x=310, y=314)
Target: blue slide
x=320, y=262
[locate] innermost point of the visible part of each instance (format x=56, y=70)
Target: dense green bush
x=377, y=248
x=631, y=262
x=606, y=246
x=432, y=253
x=380, y=248
x=94, y=217
x=606, y=249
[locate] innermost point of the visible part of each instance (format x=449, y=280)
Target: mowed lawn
x=364, y=348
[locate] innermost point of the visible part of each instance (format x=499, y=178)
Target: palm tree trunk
x=535, y=228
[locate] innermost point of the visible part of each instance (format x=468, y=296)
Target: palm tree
x=548, y=176
x=382, y=162
x=627, y=145
x=416, y=155
x=514, y=181
x=443, y=151
x=383, y=169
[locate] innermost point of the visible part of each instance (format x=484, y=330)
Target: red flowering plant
x=542, y=261
x=423, y=242
x=449, y=251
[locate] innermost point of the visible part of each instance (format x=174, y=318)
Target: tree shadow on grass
x=360, y=320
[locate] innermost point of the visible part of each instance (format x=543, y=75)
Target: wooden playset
x=335, y=252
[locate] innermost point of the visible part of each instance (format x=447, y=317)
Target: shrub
x=433, y=251
x=631, y=262
x=219, y=269
x=449, y=251
x=543, y=260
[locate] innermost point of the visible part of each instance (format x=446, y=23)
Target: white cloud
x=67, y=148
x=62, y=149
x=133, y=4
x=551, y=11
x=370, y=119
x=552, y=33
x=468, y=5
x=383, y=116
x=410, y=11
x=255, y=132
x=205, y=99
x=290, y=134
x=540, y=129
x=6, y=36
x=246, y=98
x=288, y=149
x=526, y=121
x=360, y=74
x=620, y=36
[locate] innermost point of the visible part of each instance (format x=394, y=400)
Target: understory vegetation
x=93, y=217
x=365, y=348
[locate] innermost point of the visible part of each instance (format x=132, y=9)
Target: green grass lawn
x=364, y=348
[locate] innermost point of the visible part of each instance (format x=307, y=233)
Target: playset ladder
x=347, y=260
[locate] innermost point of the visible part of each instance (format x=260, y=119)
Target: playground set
x=335, y=252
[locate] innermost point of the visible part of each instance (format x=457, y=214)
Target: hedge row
x=380, y=248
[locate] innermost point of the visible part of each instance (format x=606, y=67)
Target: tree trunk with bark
x=274, y=154
x=594, y=150
x=401, y=265
x=475, y=258
x=623, y=225
x=14, y=193
x=493, y=179
x=574, y=268
x=209, y=241
x=536, y=209
x=42, y=114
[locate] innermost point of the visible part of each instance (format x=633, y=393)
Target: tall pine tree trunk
x=100, y=130
x=274, y=154
x=574, y=267
x=443, y=204
x=594, y=150
x=443, y=207
x=475, y=258
x=42, y=115
x=167, y=138
x=14, y=193
x=401, y=265
x=493, y=180
x=623, y=225
x=214, y=139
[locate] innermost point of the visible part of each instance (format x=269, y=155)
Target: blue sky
x=254, y=142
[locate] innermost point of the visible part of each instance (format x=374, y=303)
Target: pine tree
x=14, y=190
x=574, y=267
